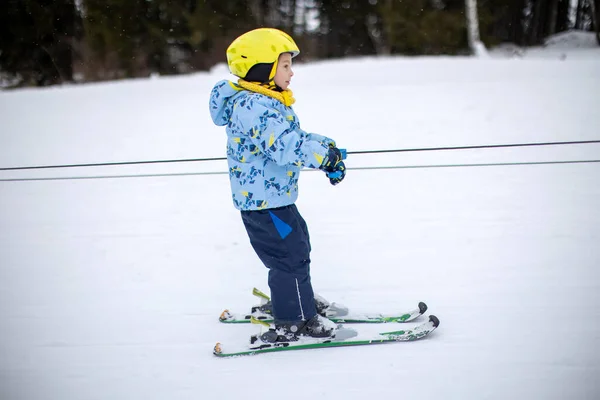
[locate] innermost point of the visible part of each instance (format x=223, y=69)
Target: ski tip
x=422, y=307
x=225, y=315
x=434, y=320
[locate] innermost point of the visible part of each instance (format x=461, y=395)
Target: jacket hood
x=221, y=104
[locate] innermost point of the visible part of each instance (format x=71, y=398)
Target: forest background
x=47, y=42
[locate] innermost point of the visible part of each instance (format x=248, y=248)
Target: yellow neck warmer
x=286, y=97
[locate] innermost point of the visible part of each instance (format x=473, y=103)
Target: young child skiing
x=266, y=149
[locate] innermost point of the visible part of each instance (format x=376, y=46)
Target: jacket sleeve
x=324, y=140
x=268, y=129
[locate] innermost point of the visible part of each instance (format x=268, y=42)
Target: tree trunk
x=475, y=44
x=563, y=18
x=579, y=15
x=595, y=19
x=552, y=17
x=517, y=28
x=256, y=8
x=538, y=25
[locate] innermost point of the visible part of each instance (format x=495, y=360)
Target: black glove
x=333, y=157
x=338, y=175
x=334, y=166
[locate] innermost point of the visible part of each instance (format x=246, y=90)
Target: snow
x=577, y=45
x=111, y=288
x=572, y=39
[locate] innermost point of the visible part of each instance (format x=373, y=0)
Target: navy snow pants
x=280, y=238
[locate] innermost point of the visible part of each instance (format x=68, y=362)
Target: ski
x=258, y=347
x=350, y=318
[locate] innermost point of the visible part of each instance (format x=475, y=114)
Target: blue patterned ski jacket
x=266, y=149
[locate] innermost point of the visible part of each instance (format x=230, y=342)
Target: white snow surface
x=111, y=288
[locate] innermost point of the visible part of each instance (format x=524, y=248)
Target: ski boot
x=316, y=327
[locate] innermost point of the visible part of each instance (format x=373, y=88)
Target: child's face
x=284, y=72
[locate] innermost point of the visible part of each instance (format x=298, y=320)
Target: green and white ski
x=256, y=346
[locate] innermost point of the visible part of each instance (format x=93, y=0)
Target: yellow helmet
x=260, y=47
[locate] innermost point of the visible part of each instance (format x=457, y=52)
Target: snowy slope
x=111, y=288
